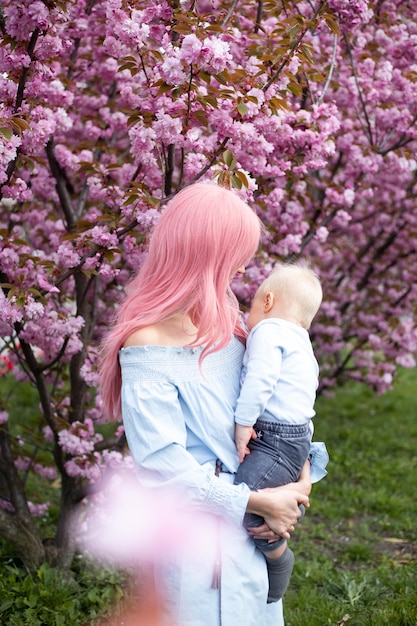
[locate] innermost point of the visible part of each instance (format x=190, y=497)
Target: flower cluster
x=79, y=439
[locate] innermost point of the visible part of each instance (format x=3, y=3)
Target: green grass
x=46, y=598
x=356, y=549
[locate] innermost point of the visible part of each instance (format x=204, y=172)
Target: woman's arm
x=157, y=437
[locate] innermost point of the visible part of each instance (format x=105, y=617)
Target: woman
x=172, y=368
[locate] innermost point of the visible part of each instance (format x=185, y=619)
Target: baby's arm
x=262, y=370
x=243, y=434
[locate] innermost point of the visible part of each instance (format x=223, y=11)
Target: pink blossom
x=49, y=473
x=92, y=262
x=216, y=55
x=133, y=32
x=22, y=463
x=102, y=237
x=120, y=431
x=129, y=524
x=19, y=191
x=37, y=510
x=79, y=439
x=10, y=313
x=48, y=433
x=142, y=139
x=172, y=71
x=8, y=151
x=4, y=416
x=46, y=285
x=86, y=466
x=117, y=461
x=294, y=64
x=406, y=360
x=213, y=53
x=168, y=129
x=68, y=257
x=73, y=444
x=194, y=162
x=24, y=18
x=351, y=13
x=190, y=49
x=321, y=234
x=290, y=243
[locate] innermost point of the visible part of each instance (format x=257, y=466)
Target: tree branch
x=330, y=72
x=369, y=132
x=61, y=185
x=230, y=13
x=288, y=56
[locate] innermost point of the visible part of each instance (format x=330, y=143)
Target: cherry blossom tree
x=306, y=108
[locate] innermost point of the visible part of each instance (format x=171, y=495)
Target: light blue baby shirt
x=279, y=374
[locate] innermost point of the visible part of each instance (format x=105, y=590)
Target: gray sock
x=279, y=574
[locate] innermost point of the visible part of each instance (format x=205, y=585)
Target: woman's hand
x=279, y=507
x=263, y=532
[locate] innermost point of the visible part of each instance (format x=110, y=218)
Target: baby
x=273, y=426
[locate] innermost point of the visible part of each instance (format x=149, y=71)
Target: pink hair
x=201, y=239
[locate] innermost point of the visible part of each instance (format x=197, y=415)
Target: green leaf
x=201, y=117
x=6, y=132
x=307, y=52
x=236, y=182
x=164, y=88
x=19, y=123
x=132, y=198
x=210, y=100
x=242, y=108
x=229, y=159
x=205, y=76
x=182, y=29
x=242, y=177
x=295, y=88
x=223, y=78
x=332, y=23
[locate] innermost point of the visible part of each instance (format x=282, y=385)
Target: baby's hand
x=243, y=434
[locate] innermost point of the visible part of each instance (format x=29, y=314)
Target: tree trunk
x=67, y=528
x=24, y=537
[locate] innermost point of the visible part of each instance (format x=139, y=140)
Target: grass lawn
x=356, y=549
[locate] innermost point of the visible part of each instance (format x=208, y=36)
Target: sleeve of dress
x=263, y=369
x=157, y=437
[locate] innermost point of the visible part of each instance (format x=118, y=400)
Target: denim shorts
x=276, y=458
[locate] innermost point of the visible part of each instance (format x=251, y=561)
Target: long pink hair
x=202, y=238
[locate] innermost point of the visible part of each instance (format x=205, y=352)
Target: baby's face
x=256, y=313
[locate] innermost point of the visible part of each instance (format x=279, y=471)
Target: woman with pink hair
x=171, y=368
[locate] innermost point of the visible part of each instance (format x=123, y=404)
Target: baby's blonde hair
x=298, y=288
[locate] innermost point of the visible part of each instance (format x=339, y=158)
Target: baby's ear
x=268, y=301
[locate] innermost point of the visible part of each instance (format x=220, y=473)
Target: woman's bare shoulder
x=146, y=336
x=175, y=331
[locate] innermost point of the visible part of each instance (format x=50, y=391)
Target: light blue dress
x=178, y=421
